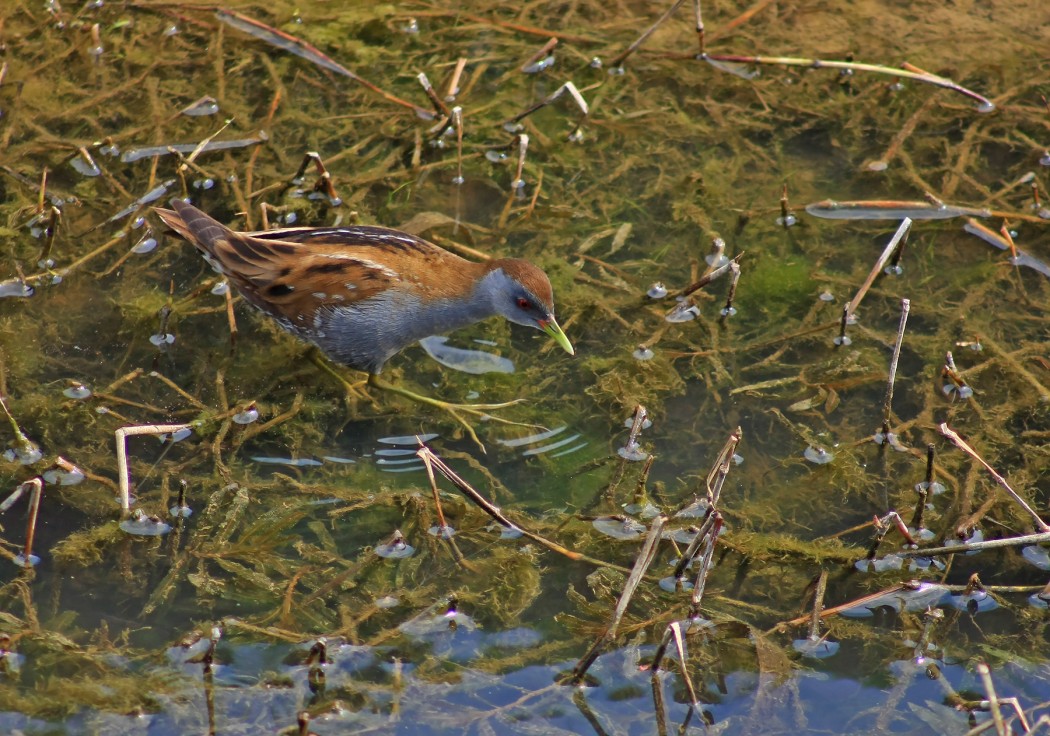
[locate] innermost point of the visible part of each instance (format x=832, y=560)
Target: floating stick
x=293, y=45
x=898, y=236
x=453, y=82
x=959, y=442
x=35, y=488
x=124, y=479
x=437, y=102
x=619, y=59
x=908, y=72
x=568, y=88
x=641, y=565
x=888, y=400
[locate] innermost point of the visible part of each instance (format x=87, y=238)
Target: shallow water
x=475, y=633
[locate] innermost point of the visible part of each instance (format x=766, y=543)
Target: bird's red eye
x=523, y=303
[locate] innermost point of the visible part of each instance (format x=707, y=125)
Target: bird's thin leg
x=456, y=410
x=478, y=410
x=353, y=390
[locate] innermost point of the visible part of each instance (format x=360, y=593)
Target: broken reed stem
x=481, y=502
x=1022, y=541
x=572, y=91
x=622, y=56
x=35, y=488
x=437, y=102
x=286, y=42
x=674, y=631
x=818, y=604
x=453, y=83
x=705, y=565
x=1000, y=480
x=123, y=477
x=716, y=477
x=544, y=51
x=457, y=122
x=699, y=26
x=985, y=105
x=707, y=278
x=442, y=526
x=888, y=401
x=641, y=564
x=993, y=700
x=879, y=265
x=693, y=547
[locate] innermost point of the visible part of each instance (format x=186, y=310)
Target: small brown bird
x=362, y=294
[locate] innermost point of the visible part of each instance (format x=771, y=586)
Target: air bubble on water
x=138, y=222
x=986, y=107
x=396, y=549
x=883, y=564
x=290, y=218
x=162, y=338
x=539, y=66
x=657, y=291
x=444, y=532
x=203, y=184
x=643, y=511
x=787, y=221
x=86, y=168
x=596, y=63
x=142, y=525
x=181, y=512
x=1045, y=158
x=79, y=391
x=632, y=452
x=22, y=561
x=458, y=180
x=147, y=244
x=815, y=648
x=513, y=126
x=728, y=311
x=643, y=353
x=247, y=416
x=616, y=71
x=496, y=157
x=934, y=488
x=619, y=528
x=220, y=288
x=57, y=476
x=1036, y=555
x=684, y=312
x=411, y=27
x=26, y=455
x=818, y=455
x=843, y=340
x=15, y=288
x=646, y=422
x=177, y=436
x=387, y=601
x=978, y=601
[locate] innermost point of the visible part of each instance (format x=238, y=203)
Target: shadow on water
x=288, y=560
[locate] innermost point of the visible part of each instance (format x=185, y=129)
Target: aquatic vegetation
x=279, y=535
